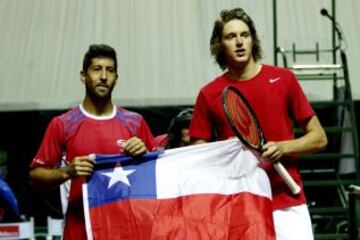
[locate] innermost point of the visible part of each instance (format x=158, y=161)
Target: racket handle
x=294, y=187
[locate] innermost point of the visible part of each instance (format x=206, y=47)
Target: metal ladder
x=331, y=215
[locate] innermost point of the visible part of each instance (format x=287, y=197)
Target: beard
x=94, y=93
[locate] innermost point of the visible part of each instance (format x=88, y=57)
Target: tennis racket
x=246, y=127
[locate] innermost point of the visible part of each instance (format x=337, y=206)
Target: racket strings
x=243, y=119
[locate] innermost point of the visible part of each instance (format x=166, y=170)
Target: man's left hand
x=134, y=146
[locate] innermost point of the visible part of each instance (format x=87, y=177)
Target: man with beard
x=95, y=126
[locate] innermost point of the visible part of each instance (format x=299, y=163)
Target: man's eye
x=230, y=36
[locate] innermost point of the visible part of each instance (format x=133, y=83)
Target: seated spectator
x=178, y=132
x=9, y=208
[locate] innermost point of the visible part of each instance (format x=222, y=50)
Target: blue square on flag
x=120, y=183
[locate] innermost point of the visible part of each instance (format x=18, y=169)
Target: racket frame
x=294, y=187
x=231, y=121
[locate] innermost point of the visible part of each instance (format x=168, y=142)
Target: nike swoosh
x=272, y=80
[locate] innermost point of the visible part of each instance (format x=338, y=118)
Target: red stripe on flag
x=204, y=216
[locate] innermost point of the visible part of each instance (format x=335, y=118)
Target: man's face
x=237, y=43
x=185, y=137
x=100, y=78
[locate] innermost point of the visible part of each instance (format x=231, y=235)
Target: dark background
x=21, y=135
x=22, y=132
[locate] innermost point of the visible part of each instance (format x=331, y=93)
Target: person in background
x=178, y=131
x=95, y=126
x=277, y=100
x=9, y=207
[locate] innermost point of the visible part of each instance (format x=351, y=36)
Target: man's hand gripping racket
x=246, y=127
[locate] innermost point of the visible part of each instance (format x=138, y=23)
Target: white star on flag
x=119, y=175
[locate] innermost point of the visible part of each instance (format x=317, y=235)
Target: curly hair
x=216, y=47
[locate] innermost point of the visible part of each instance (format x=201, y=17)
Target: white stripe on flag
x=221, y=167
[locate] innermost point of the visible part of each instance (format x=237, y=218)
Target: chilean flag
x=208, y=191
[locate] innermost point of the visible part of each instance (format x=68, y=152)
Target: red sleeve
x=201, y=126
x=51, y=148
x=146, y=136
x=162, y=140
x=300, y=107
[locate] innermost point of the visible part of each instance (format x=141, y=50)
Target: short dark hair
x=99, y=50
x=216, y=47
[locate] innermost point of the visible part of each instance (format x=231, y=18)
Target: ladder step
x=338, y=129
x=315, y=77
x=312, y=171
x=328, y=183
x=329, y=236
x=329, y=130
x=328, y=210
x=316, y=67
x=318, y=156
x=328, y=71
x=292, y=51
x=322, y=104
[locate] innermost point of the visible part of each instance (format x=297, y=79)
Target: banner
x=208, y=191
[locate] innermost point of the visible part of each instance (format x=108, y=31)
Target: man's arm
x=313, y=140
x=46, y=178
x=197, y=141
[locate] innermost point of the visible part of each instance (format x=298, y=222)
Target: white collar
x=89, y=115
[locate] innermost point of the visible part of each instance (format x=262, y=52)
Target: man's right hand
x=82, y=166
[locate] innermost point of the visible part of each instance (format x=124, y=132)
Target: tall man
x=96, y=126
x=278, y=101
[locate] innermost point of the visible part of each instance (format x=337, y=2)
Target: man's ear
x=82, y=76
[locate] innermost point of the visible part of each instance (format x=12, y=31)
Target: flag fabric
x=208, y=191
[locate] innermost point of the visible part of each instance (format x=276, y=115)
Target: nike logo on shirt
x=272, y=80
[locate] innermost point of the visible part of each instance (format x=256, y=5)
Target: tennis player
x=95, y=126
x=277, y=100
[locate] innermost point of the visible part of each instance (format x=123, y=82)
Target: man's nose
x=239, y=40
x=103, y=75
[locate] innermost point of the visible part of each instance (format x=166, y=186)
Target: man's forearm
x=46, y=179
